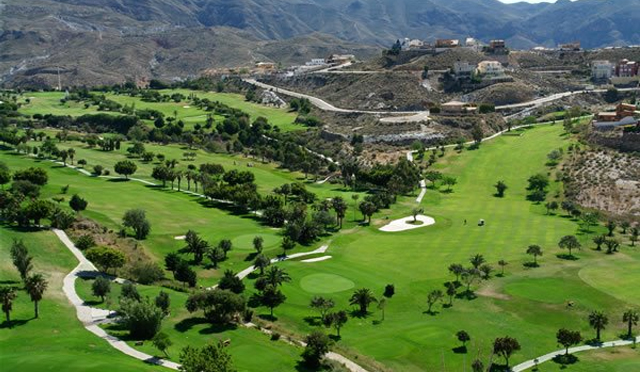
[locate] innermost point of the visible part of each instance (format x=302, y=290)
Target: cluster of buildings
x=625, y=115
x=624, y=71
x=441, y=45
x=312, y=65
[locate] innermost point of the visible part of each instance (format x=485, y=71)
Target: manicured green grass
x=57, y=340
x=529, y=304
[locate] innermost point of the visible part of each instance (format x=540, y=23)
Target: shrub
x=85, y=242
x=97, y=169
x=275, y=336
x=142, y=318
x=389, y=290
x=146, y=272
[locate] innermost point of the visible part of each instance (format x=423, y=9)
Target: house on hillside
x=602, y=70
x=458, y=108
x=447, y=43
x=463, y=69
x=264, y=67
x=496, y=47
x=626, y=68
x=340, y=59
x=626, y=115
x=490, y=69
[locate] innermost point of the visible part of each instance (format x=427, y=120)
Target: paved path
x=544, y=358
x=326, y=106
x=557, y=96
x=92, y=317
x=423, y=183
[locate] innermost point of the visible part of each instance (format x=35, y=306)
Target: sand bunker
x=181, y=237
x=407, y=224
x=318, y=259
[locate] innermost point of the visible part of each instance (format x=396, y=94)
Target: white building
x=316, y=62
x=461, y=68
x=490, y=69
x=602, y=70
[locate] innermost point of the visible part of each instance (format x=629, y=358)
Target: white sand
x=402, y=225
x=186, y=107
x=181, y=237
x=318, y=259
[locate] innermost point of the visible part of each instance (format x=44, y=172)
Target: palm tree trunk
x=8, y=314
x=598, y=333
x=629, y=332
x=36, y=309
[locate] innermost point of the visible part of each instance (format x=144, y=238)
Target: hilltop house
x=447, y=43
x=463, y=69
x=265, y=67
x=570, y=47
x=491, y=69
x=458, y=108
x=626, y=68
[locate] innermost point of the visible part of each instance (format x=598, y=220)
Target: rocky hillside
x=104, y=41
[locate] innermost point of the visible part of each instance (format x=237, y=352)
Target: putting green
x=245, y=242
x=325, y=283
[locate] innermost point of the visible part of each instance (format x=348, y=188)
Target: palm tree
x=535, y=251
x=36, y=285
x=477, y=260
x=340, y=206
x=7, y=295
x=502, y=264
x=631, y=317
x=598, y=321
x=363, y=298
x=196, y=245
x=276, y=276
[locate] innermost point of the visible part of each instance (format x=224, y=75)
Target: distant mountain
x=108, y=40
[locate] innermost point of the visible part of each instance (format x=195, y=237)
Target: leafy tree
x=210, y=358
x=569, y=242
x=258, y=244
x=322, y=305
x=106, y=258
x=477, y=366
x=98, y=169
x=477, y=134
x=37, y=176
x=568, y=338
x=85, y=242
x=415, y=212
x=630, y=317
x=599, y=240
x=535, y=251
x=317, y=346
x=185, y=274
x=231, y=282
x=163, y=301
x=612, y=245
x=485, y=271
x=589, y=219
x=125, y=168
x=501, y=187
x=551, y=206
x=463, y=337
x=362, y=298
x=226, y=246
x=271, y=297
x=287, y=244
x=469, y=277
x=136, y=219
x=598, y=321
x=171, y=261
x=505, y=347
x=449, y=181
x=7, y=295
x=5, y=175
x=21, y=258
x=452, y=290
x=611, y=226
x=538, y=182
x=77, y=203
x=367, y=209
x=161, y=173
x=624, y=225
x=39, y=209
x=634, y=236
x=36, y=285
x=101, y=287
x=433, y=177
x=162, y=342
x=215, y=254
x=433, y=297
x=336, y=320
x=219, y=306
x=142, y=318
x=130, y=291
x=261, y=262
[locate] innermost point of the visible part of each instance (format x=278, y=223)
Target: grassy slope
x=56, y=341
x=528, y=304
x=49, y=103
x=606, y=360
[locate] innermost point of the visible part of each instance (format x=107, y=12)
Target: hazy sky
x=528, y=1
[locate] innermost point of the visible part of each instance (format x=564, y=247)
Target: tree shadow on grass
x=186, y=324
x=531, y=265
x=313, y=320
x=9, y=282
x=431, y=312
x=218, y=328
x=499, y=368
x=268, y=317
x=459, y=350
x=118, y=180
x=251, y=256
x=568, y=257
x=14, y=323
x=565, y=360
x=358, y=314
x=466, y=295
